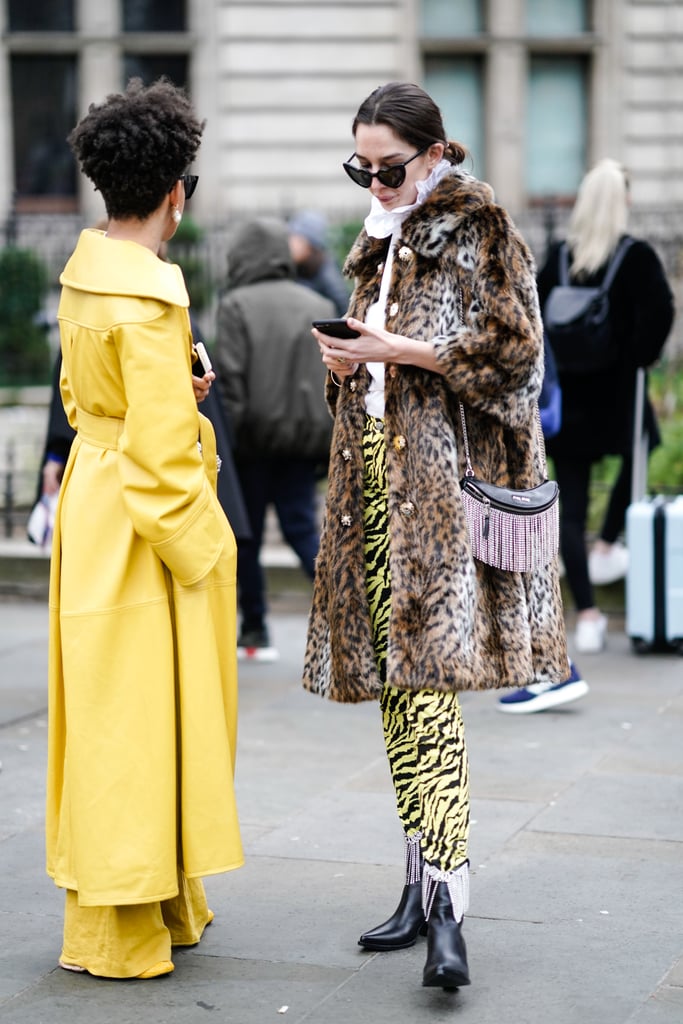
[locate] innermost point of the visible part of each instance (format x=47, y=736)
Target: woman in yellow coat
x=142, y=674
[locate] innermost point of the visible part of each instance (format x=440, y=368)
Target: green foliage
x=342, y=237
x=188, y=232
x=666, y=462
x=665, y=467
x=185, y=249
x=24, y=348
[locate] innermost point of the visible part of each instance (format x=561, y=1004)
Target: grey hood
x=259, y=251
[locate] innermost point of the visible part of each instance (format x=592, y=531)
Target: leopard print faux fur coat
x=455, y=623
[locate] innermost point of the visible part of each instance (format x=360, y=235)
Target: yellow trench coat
x=142, y=665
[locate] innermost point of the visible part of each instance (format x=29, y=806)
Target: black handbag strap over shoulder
x=614, y=264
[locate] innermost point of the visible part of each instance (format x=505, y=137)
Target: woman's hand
x=202, y=385
x=374, y=345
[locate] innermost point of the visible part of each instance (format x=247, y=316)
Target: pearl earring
x=176, y=215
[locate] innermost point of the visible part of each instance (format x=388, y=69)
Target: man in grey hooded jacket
x=272, y=383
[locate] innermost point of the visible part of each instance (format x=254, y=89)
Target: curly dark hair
x=136, y=144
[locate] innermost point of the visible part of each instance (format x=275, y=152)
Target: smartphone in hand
x=336, y=328
x=203, y=359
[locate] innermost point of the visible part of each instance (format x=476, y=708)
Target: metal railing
x=19, y=477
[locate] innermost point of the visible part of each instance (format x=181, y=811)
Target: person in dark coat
x=315, y=265
x=272, y=386
x=598, y=407
x=57, y=440
x=228, y=485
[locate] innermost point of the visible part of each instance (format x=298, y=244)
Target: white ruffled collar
x=381, y=223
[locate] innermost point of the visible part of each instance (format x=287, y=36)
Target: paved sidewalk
x=577, y=859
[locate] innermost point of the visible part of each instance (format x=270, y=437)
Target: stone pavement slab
x=576, y=852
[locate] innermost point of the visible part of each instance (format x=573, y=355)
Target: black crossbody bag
x=514, y=530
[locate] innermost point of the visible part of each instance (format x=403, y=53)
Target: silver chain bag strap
x=514, y=530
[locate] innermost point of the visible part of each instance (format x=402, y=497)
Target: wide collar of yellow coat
x=108, y=266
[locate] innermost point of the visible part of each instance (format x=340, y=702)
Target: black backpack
x=577, y=319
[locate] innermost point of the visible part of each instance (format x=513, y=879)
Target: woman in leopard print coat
x=445, y=303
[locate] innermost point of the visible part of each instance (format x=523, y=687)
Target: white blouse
x=379, y=223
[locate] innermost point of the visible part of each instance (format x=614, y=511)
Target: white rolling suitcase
x=654, y=537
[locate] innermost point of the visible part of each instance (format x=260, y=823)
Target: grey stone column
x=506, y=74
x=6, y=147
x=99, y=74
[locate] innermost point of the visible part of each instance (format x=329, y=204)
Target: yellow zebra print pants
x=423, y=730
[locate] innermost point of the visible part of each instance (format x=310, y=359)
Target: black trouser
x=573, y=477
x=290, y=485
x=619, y=501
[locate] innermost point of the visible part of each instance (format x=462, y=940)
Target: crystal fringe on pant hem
x=413, y=856
x=458, y=883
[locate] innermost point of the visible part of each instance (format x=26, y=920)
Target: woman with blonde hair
x=599, y=217
x=597, y=406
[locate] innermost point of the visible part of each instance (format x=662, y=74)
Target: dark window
x=556, y=118
x=43, y=114
x=556, y=17
x=154, y=16
x=457, y=85
x=150, y=67
x=41, y=15
x=451, y=18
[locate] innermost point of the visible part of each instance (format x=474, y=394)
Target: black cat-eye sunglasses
x=391, y=177
x=189, y=183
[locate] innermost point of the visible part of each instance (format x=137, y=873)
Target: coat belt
x=101, y=431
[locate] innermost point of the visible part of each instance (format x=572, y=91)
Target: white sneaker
x=609, y=566
x=591, y=635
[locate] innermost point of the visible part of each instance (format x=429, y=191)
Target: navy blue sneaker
x=541, y=696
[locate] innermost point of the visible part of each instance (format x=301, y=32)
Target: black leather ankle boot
x=404, y=925
x=446, y=965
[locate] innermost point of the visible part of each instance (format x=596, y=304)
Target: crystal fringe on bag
x=514, y=530
x=516, y=539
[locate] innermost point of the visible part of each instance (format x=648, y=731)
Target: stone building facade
x=538, y=89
